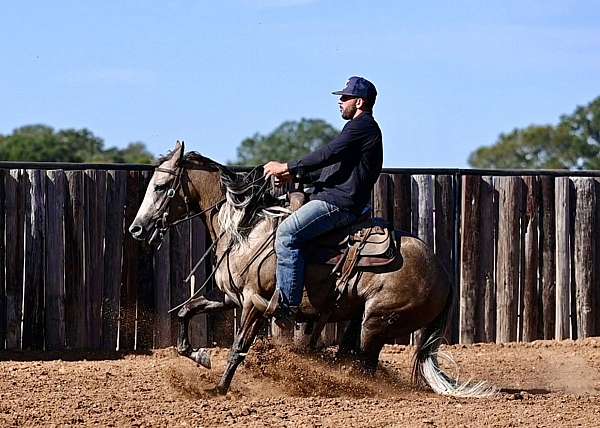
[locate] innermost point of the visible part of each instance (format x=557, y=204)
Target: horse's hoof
x=184, y=348
x=221, y=390
x=202, y=357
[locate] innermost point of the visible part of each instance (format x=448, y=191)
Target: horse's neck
x=256, y=241
x=206, y=187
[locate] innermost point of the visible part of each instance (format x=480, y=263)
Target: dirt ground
x=543, y=384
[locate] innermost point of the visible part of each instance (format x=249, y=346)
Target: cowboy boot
x=277, y=307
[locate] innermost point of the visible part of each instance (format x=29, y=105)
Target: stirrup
x=268, y=308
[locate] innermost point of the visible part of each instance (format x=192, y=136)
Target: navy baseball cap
x=358, y=87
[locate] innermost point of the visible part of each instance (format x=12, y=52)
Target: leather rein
x=162, y=225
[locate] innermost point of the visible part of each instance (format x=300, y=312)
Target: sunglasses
x=344, y=98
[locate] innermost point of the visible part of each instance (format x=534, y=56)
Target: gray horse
x=380, y=303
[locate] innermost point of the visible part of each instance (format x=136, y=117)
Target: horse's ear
x=178, y=152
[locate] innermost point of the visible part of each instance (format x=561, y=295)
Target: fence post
x=444, y=236
x=116, y=199
x=422, y=216
x=469, y=275
x=488, y=222
x=54, y=296
x=563, y=258
x=509, y=194
x=33, y=282
x=93, y=228
x=75, y=330
x=585, y=231
x=531, y=297
x=548, y=259
x=14, y=257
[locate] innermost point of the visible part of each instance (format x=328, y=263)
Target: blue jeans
x=311, y=220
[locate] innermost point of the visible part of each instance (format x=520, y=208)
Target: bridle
x=181, y=182
x=162, y=225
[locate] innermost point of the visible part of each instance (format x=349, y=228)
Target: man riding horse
x=381, y=295
x=350, y=166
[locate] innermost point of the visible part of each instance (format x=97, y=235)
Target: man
x=350, y=166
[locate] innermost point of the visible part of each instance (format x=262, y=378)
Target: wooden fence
x=523, y=248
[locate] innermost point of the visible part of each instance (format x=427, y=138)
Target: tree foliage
x=290, y=140
x=574, y=143
x=40, y=143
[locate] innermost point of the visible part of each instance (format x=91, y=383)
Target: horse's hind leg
x=372, y=339
x=350, y=343
x=251, y=321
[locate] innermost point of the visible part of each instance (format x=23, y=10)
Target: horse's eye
x=160, y=187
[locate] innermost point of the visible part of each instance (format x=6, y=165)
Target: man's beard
x=348, y=114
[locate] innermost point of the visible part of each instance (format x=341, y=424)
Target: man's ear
x=360, y=102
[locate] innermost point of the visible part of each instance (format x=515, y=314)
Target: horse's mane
x=246, y=195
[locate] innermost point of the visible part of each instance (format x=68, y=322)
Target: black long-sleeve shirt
x=351, y=164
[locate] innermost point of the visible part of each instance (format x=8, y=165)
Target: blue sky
x=451, y=75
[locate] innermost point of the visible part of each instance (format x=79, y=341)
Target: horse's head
x=173, y=194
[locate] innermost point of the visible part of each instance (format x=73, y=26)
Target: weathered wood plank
x=469, y=275
x=93, y=227
x=563, y=257
x=402, y=185
x=548, y=259
x=131, y=251
x=14, y=256
x=162, y=294
x=444, y=243
x=507, y=287
x=145, y=300
x=116, y=201
x=488, y=226
x=54, y=297
x=180, y=268
x=199, y=324
x=33, y=283
x=3, y=313
x=422, y=215
x=585, y=230
x=402, y=201
x=444, y=221
x=383, y=206
x=531, y=296
x=422, y=204
x=75, y=310
x=596, y=239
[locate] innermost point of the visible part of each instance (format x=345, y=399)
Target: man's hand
x=276, y=169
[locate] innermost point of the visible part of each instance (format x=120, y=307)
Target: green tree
x=290, y=140
x=574, y=143
x=40, y=143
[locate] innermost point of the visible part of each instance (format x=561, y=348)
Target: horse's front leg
x=250, y=324
x=185, y=314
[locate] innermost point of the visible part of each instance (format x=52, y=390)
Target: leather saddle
x=367, y=242
x=370, y=240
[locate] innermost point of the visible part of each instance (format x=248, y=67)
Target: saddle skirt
x=370, y=241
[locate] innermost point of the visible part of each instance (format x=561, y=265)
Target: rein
x=162, y=224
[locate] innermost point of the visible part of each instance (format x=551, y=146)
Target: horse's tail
x=426, y=368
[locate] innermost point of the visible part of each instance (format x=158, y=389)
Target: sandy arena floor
x=543, y=384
